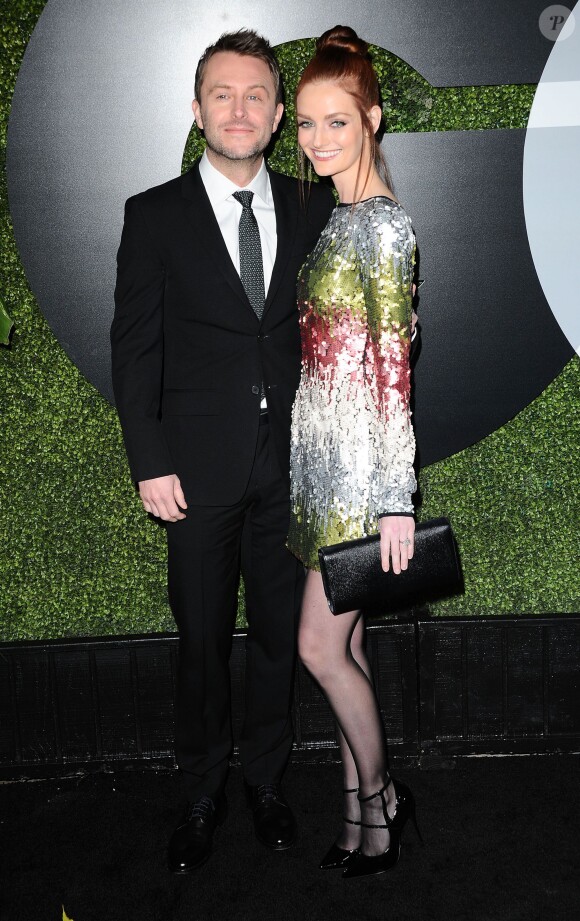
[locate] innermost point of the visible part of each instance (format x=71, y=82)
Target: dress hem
x=315, y=567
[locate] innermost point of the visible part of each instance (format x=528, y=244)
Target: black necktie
x=251, y=266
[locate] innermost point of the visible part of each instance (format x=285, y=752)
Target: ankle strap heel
x=338, y=858
x=344, y=818
x=367, y=799
x=370, y=865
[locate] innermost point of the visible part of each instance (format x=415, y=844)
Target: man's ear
x=197, y=113
x=277, y=116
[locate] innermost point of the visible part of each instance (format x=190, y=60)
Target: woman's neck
x=374, y=185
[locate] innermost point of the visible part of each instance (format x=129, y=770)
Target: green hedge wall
x=79, y=555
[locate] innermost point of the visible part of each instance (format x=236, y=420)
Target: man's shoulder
x=316, y=190
x=282, y=180
x=320, y=195
x=163, y=193
x=315, y=205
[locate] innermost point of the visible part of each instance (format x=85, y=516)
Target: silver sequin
x=352, y=444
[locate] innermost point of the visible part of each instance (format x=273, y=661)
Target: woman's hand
x=397, y=541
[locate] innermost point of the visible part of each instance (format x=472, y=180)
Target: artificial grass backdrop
x=80, y=557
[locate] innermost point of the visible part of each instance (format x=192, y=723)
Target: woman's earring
x=300, y=155
x=305, y=174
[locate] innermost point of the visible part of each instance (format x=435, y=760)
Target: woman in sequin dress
x=352, y=445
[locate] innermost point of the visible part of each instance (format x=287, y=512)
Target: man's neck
x=239, y=171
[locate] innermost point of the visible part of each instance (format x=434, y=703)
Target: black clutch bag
x=353, y=577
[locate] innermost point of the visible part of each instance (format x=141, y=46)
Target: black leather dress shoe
x=274, y=822
x=190, y=844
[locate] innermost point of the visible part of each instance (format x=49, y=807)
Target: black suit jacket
x=188, y=351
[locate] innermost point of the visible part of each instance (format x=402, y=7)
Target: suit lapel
x=208, y=235
x=286, y=208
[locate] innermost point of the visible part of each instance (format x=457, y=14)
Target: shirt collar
x=219, y=188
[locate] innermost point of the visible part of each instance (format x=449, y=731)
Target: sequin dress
x=352, y=444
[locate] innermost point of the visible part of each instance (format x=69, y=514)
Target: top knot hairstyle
x=345, y=38
x=343, y=58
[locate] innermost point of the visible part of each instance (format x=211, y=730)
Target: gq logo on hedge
x=101, y=110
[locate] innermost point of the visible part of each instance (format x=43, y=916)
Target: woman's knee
x=312, y=651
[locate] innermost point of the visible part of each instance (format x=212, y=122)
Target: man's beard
x=253, y=154
x=219, y=147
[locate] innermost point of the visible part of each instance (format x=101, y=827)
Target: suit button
x=255, y=389
x=260, y=338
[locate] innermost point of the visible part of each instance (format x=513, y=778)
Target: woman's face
x=330, y=131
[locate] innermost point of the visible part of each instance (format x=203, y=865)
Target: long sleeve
x=385, y=256
x=137, y=347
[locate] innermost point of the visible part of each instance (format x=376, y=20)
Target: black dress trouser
x=206, y=551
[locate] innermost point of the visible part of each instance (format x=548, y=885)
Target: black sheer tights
x=332, y=649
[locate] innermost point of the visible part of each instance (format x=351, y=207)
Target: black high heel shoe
x=337, y=858
x=370, y=865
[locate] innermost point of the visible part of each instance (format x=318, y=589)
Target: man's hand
x=414, y=319
x=414, y=316
x=163, y=497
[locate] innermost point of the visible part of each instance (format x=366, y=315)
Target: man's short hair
x=245, y=42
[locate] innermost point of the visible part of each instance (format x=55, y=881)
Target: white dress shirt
x=228, y=211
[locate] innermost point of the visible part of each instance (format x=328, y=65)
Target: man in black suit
x=205, y=368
